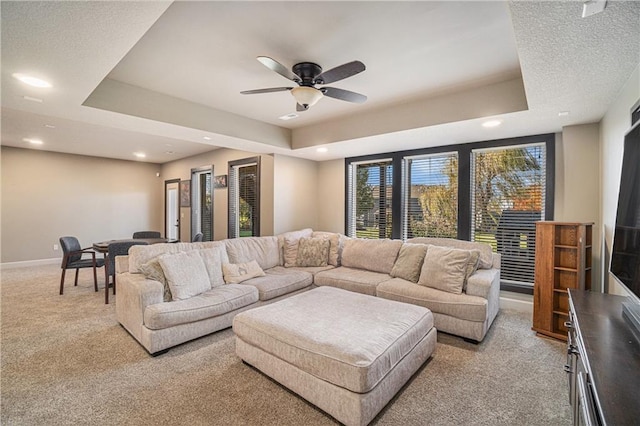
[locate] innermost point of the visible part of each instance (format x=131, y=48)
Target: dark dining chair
x=72, y=259
x=120, y=248
x=197, y=238
x=146, y=234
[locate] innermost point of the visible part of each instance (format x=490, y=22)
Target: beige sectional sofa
x=172, y=293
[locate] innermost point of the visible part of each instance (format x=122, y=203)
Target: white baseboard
x=29, y=263
x=516, y=301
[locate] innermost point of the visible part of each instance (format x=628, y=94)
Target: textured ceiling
x=145, y=75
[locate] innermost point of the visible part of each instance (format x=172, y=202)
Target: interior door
x=172, y=209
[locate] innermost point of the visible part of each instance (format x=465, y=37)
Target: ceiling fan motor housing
x=307, y=71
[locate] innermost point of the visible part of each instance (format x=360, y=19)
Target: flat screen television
x=625, y=257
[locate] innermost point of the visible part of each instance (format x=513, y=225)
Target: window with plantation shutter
x=369, y=209
x=202, y=202
x=430, y=196
x=244, y=198
x=507, y=198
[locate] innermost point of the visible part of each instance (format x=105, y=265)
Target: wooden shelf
x=563, y=261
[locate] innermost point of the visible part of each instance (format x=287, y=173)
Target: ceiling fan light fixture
x=306, y=96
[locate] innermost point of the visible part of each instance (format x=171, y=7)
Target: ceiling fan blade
x=278, y=67
x=300, y=108
x=343, y=95
x=340, y=72
x=272, y=89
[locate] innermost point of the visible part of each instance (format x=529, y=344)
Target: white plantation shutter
x=508, y=186
x=430, y=195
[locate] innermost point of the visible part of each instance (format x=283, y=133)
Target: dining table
x=103, y=247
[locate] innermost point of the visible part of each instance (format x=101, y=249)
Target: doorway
x=172, y=209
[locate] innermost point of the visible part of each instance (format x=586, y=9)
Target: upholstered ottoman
x=347, y=353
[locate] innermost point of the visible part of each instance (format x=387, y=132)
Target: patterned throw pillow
x=313, y=252
x=235, y=273
x=152, y=270
x=290, y=250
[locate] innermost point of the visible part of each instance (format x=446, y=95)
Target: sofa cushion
x=462, y=306
x=292, y=235
x=409, y=263
x=153, y=270
x=141, y=254
x=357, y=280
x=263, y=250
x=235, y=273
x=334, y=245
x=486, y=252
x=445, y=269
x=186, y=274
x=313, y=270
x=214, y=302
x=214, y=258
x=371, y=255
x=279, y=281
x=312, y=252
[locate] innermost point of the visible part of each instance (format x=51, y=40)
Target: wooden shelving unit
x=563, y=261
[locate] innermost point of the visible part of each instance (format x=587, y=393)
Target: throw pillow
x=235, y=273
x=334, y=245
x=290, y=250
x=472, y=266
x=409, y=262
x=313, y=252
x=213, y=259
x=152, y=270
x=186, y=274
x=444, y=268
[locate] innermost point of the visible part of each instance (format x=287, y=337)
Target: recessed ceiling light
x=33, y=141
x=31, y=81
x=49, y=126
x=140, y=154
x=206, y=138
x=322, y=149
x=29, y=98
x=563, y=113
x=288, y=116
x=492, y=123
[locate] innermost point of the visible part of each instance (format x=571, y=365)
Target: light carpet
x=65, y=360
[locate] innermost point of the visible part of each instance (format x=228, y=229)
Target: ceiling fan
x=307, y=75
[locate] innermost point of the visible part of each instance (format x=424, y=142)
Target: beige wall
x=331, y=196
x=46, y=195
x=614, y=125
x=577, y=193
x=295, y=185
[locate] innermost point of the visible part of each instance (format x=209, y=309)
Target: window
x=491, y=192
x=202, y=202
x=370, y=196
x=430, y=196
x=244, y=198
x=507, y=199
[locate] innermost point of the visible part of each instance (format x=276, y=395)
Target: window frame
x=464, y=181
x=232, y=225
x=196, y=218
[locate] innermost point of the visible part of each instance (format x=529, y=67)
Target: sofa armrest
x=122, y=264
x=135, y=293
x=497, y=259
x=481, y=282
